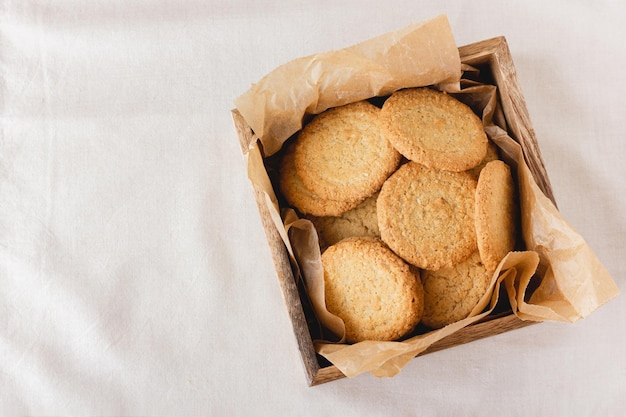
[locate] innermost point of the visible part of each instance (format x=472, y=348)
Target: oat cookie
x=450, y=294
x=427, y=216
x=496, y=213
x=300, y=197
x=342, y=155
x=371, y=289
x=360, y=221
x=434, y=129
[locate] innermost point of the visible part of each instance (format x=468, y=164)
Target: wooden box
x=494, y=60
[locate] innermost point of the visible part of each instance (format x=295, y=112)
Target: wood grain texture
x=493, y=54
x=284, y=272
x=478, y=331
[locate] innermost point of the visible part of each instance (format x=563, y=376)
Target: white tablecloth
x=134, y=274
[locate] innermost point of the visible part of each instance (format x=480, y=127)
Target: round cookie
x=342, y=155
x=360, y=221
x=371, y=289
x=427, y=216
x=300, y=197
x=434, y=129
x=450, y=294
x=496, y=213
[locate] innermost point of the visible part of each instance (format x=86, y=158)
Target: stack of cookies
x=413, y=208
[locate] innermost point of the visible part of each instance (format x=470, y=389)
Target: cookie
x=492, y=155
x=427, y=216
x=341, y=154
x=300, y=197
x=434, y=129
x=371, y=289
x=360, y=221
x=496, y=213
x=450, y=294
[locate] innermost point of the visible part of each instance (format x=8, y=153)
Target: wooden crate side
x=282, y=265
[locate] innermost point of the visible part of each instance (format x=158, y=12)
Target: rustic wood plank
x=466, y=335
x=479, y=52
x=478, y=331
x=284, y=272
x=327, y=374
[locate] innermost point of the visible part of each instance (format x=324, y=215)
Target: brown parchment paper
x=572, y=281
x=274, y=107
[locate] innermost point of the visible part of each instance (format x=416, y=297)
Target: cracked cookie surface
x=427, y=216
x=300, y=197
x=450, y=294
x=371, y=289
x=434, y=129
x=360, y=221
x=342, y=155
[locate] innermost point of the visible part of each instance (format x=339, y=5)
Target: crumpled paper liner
x=572, y=281
x=275, y=106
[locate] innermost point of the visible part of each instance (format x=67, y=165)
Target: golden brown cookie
x=492, y=155
x=450, y=294
x=434, y=129
x=427, y=216
x=496, y=213
x=300, y=197
x=341, y=154
x=360, y=221
x=371, y=289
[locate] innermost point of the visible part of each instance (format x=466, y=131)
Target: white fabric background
x=134, y=274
